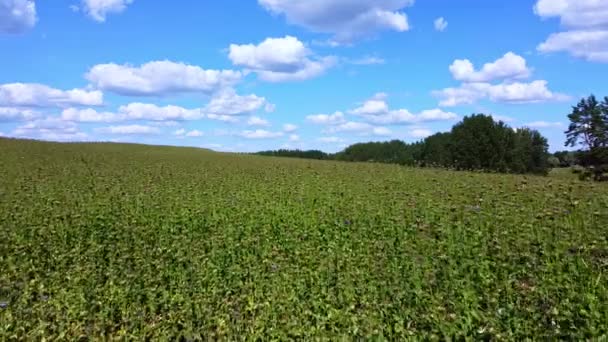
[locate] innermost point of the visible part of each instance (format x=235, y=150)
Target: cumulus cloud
x=88, y=115
x=194, y=134
x=160, y=78
x=294, y=138
x=440, y=24
x=260, y=134
x=591, y=45
x=509, y=66
x=369, y=60
x=152, y=112
x=345, y=20
x=420, y=133
x=40, y=95
x=129, y=130
x=330, y=140
x=361, y=128
x=544, y=124
x=9, y=114
x=257, y=121
x=99, y=9
x=586, y=23
x=376, y=111
x=507, y=69
x=17, y=16
x=327, y=119
x=51, y=128
x=280, y=60
x=289, y=128
x=517, y=92
x=228, y=102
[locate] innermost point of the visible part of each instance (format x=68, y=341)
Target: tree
x=589, y=128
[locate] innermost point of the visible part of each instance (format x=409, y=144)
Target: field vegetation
x=112, y=241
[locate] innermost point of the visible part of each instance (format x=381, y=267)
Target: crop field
x=111, y=241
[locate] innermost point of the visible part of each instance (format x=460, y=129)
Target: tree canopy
x=476, y=143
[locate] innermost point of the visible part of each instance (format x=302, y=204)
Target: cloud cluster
x=440, y=24
x=345, y=20
x=376, y=111
x=17, y=16
x=99, y=9
x=586, y=24
x=160, y=78
x=39, y=95
x=280, y=60
x=507, y=69
x=375, y=115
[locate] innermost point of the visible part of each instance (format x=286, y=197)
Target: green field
x=113, y=241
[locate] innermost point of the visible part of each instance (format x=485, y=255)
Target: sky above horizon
x=251, y=75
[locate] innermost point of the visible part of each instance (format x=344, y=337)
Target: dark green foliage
x=393, y=152
x=309, y=154
x=567, y=158
x=476, y=143
x=589, y=128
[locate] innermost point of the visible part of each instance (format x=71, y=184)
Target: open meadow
x=115, y=241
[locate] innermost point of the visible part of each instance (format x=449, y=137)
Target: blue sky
x=248, y=75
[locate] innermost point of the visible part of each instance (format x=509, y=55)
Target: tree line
x=476, y=143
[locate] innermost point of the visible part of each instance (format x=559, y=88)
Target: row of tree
x=476, y=143
x=480, y=143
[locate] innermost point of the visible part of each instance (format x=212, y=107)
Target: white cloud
x=54, y=129
x=223, y=118
x=377, y=111
x=289, y=128
x=88, y=115
x=160, y=78
x=575, y=13
x=10, y=114
x=280, y=60
x=544, y=124
x=260, y=134
x=294, y=138
x=346, y=20
x=99, y=9
x=381, y=131
x=590, y=45
x=195, y=134
x=516, y=92
x=420, y=133
x=257, y=121
x=152, y=112
x=510, y=66
x=369, y=60
x=586, y=23
x=358, y=127
x=535, y=91
x=17, y=16
x=440, y=24
x=129, y=130
x=374, y=106
x=40, y=95
x=327, y=119
x=181, y=133
x=228, y=102
x=332, y=140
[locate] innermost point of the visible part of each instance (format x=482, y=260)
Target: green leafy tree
x=589, y=128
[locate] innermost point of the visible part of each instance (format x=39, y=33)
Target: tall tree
x=588, y=124
x=589, y=128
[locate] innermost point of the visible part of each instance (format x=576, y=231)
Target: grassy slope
x=110, y=240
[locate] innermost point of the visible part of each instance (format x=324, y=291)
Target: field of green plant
x=129, y=241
